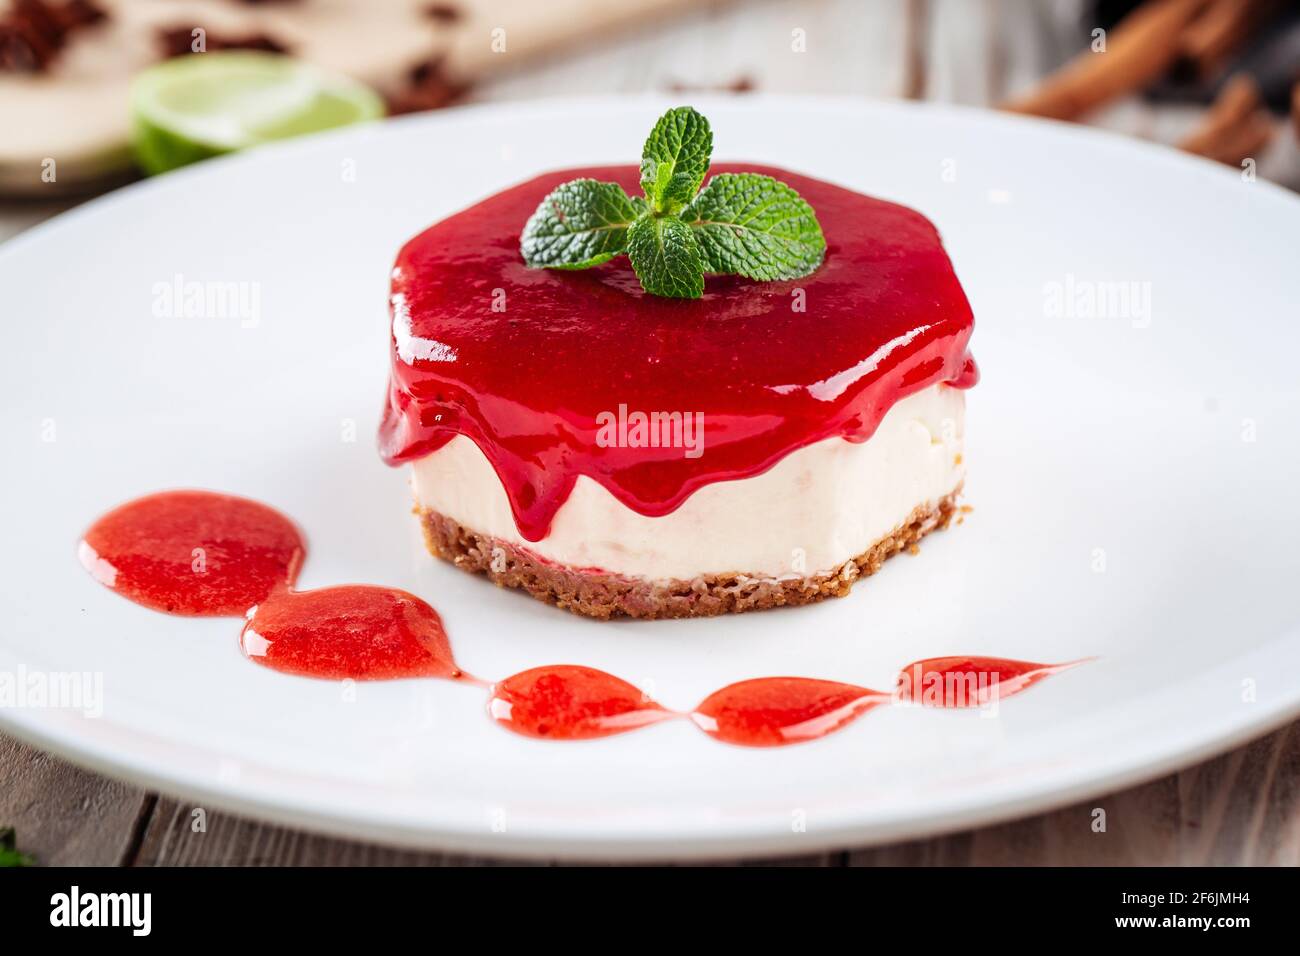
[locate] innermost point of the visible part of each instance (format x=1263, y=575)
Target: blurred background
x=1220, y=78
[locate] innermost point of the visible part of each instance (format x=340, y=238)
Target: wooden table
x=1241, y=808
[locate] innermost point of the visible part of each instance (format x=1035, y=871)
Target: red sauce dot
x=352, y=631
x=969, y=681
x=567, y=702
x=773, y=711
x=193, y=552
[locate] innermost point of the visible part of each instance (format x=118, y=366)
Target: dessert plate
x=1131, y=447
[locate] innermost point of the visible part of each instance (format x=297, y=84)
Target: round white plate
x=1133, y=469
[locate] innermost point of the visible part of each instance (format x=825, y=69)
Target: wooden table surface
x=1241, y=808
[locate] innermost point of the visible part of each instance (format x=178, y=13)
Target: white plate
x=1133, y=477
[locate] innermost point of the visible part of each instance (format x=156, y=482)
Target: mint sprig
x=743, y=224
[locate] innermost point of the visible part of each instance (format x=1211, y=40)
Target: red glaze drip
x=773, y=711
x=352, y=631
x=193, y=552
x=568, y=702
x=969, y=681
x=883, y=317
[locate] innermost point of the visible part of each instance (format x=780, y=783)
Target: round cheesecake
x=618, y=453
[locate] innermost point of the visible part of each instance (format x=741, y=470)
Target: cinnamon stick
x=1295, y=108
x=917, y=30
x=1238, y=99
x=1244, y=141
x=1138, y=50
x=1222, y=28
x=1234, y=127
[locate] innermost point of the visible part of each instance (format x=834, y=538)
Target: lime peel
x=205, y=104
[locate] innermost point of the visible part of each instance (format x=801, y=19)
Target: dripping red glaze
x=528, y=383
x=969, y=681
x=773, y=711
x=193, y=552
x=568, y=702
x=351, y=631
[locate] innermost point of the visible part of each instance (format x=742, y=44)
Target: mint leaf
x=9, y=855
x=755, y=226
x=666, y=257
x=581, y=224
x=675, y=158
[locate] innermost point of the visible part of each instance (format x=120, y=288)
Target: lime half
x=205, y=104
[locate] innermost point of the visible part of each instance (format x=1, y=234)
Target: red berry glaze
x=354, y=631
x=143, y=550
x=969, y=681
x=568, y=702
x=773, y=711
x=524, y=360
x=193, y=552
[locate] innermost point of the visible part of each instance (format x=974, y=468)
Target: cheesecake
x=617, y=453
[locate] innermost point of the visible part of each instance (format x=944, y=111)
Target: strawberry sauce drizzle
x=969, y=681
x=773, y=711
x=193, y=552
x=570, y=702
x=200, y=553
x=353, y=631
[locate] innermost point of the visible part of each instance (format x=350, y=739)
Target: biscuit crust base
x=604, y=596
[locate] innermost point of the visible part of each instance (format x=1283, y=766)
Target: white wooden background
x=1242, y=808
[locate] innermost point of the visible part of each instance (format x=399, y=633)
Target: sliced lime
x=205, y=104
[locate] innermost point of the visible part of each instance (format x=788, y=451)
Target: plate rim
x=696, y=844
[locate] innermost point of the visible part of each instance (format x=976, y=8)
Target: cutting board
x=68, y=128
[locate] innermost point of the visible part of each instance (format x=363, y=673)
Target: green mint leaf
x=666, y=257
x=675, y=158
x=755, y=226
x=581, y=224
x=9, y=855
